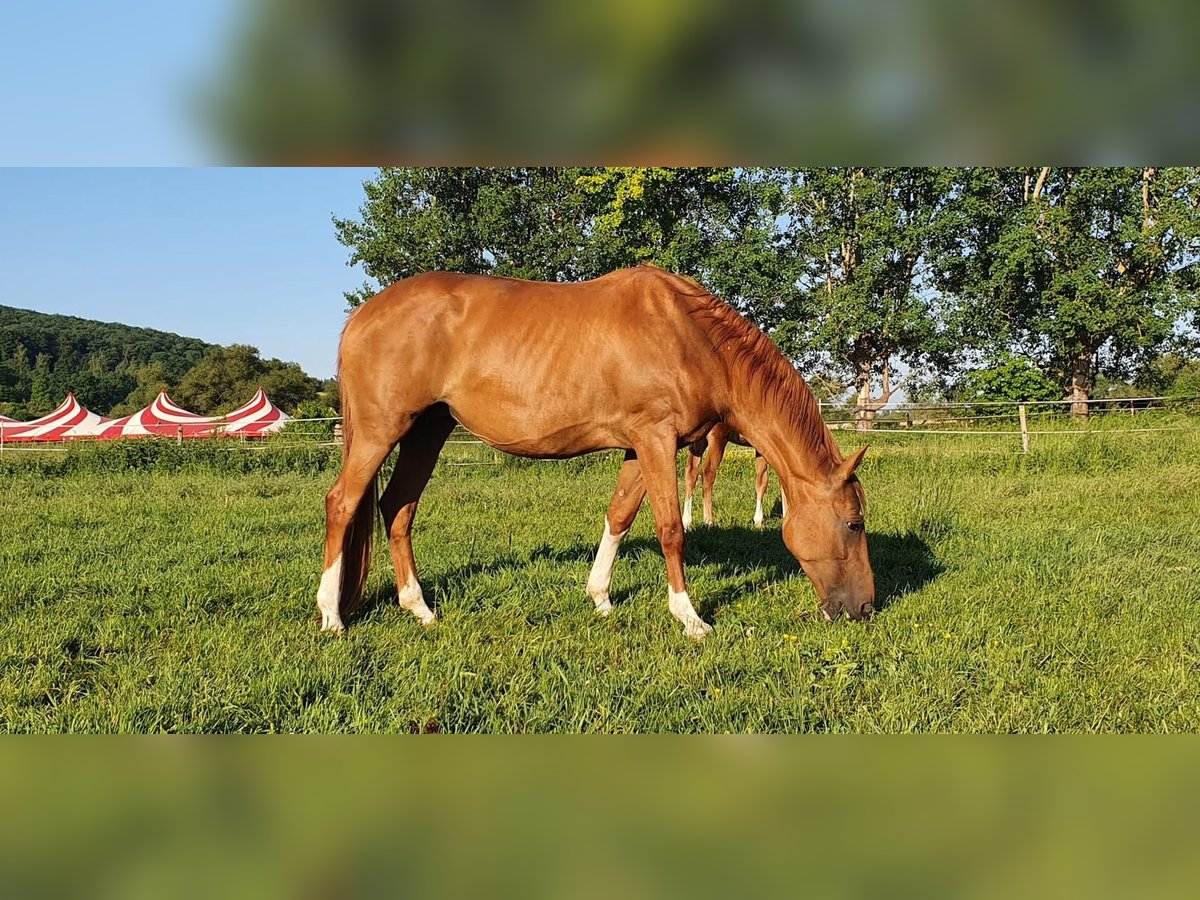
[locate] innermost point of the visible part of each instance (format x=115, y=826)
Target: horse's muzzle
x=858, y=611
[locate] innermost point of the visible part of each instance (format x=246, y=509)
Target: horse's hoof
x=697, y=630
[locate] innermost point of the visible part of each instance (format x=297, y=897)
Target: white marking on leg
x=687, y=512
x=329, y=597
x=412, y=598
x=758, y=511
x=681, y=608
x=601, y=576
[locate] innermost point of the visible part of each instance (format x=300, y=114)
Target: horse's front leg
x=415, y=460
x=626, y=501
x=657, y=459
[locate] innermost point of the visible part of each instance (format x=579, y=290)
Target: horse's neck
x=793, y=447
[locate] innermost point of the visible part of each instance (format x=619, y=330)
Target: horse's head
x=825, y=531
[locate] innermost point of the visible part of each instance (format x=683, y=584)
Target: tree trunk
x=865, y=405
x=1081, y=387
x=1041, y=182
x=864, y=413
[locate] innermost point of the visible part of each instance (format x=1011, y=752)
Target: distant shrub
x=158, y=455
x=1013, y=379
x=311, y=431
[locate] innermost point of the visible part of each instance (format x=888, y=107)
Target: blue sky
x=230, y=255
x=115, y=83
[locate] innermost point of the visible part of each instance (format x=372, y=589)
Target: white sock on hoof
x=601, y=577
x=329, y=597
x=681, y=608
x=412, y=598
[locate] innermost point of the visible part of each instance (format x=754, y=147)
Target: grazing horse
x=712, y=450
x=639, y=360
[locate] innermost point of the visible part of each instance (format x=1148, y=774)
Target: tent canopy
x=69, y=420
x=164, y=418
x=257, y=418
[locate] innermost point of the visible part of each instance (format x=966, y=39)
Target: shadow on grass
x=902, y=563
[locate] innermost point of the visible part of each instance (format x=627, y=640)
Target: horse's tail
x=356, y=545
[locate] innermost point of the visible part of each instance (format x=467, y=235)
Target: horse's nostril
x=867, y=609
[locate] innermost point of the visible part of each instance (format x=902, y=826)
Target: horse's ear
x=850, y=463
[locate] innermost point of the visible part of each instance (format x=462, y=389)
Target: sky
x=113, y=83
x=227, y=255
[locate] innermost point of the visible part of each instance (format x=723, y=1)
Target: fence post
x=179, y=436
x=1024, y=430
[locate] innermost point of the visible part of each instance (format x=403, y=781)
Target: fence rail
x=896, y=420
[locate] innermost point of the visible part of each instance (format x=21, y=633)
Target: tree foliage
x=568, y=224
x=228, y=376
x=852, y=271
x=861, y=238
x=1011, y=378
x=524, y=223
x=117, y=369
x=43, y=356
x=1086, y=270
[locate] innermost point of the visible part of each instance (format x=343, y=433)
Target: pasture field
x=1057, y=591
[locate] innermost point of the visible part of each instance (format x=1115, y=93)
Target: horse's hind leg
x=717, y=439
x=349, y=520
x=627, y=499
x=760, y=486
x=417, y=455
x=690, y=474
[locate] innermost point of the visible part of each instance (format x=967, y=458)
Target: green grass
x=1056, y=591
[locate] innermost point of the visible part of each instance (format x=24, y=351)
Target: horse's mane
x=754, y=361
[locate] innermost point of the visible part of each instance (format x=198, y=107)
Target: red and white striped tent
x=70, y=420
x=257, y=418
x=164, y=418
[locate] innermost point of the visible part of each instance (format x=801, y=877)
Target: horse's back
x=536, y=368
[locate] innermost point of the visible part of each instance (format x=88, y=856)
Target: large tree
x=524, y=223
x=716, y=224
x=228, y=376
x=861, y=238
x=1086, y=270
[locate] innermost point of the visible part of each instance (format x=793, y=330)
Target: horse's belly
x=528, y=432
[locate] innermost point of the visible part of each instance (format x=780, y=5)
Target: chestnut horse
x=639, y=360
x=711, y=450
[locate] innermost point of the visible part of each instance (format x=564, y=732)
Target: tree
x=42, y=388
x=227, y=377
x=717, y=225
x=1086, y=270
x=1011, y=378
x=98, y=361
x=860, y=238
x=524, y=223
x=149, y=380
x=569, y=224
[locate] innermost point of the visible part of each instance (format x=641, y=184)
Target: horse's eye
x=856, y=525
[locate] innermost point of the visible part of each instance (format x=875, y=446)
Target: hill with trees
x=115, y=369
